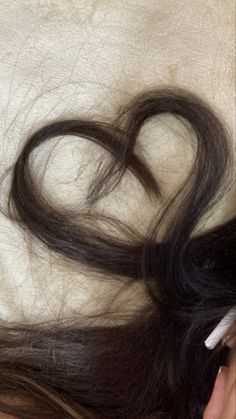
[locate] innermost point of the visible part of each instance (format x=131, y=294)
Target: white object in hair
x=221, y=329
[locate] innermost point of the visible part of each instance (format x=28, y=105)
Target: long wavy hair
x=154, y=364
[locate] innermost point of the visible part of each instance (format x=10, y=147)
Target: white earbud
x=221, y=329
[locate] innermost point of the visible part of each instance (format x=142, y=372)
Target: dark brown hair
x=155, y=365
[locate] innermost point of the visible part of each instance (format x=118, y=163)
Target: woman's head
x=154, y=364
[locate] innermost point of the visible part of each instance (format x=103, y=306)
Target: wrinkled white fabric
x=63, y=58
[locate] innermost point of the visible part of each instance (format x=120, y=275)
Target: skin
x=222, y=404
x=4, y=416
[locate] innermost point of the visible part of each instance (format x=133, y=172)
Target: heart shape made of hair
x=80, y=241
